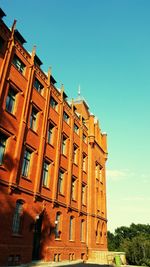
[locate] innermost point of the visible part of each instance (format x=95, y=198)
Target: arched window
x=58, y=225
x=102, y=233
x=17, y=218
x=71, y=228
x=98, y=232
x=82, y=237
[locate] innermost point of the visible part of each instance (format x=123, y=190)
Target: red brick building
x=52, y=164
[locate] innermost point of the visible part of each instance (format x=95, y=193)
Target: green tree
x=134, y=240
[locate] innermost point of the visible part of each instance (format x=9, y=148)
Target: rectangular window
x=84, y=162
x=26, y=163
x=101, y=174
x=45, y=175
x=17, y=218
x=83, y=194
x=60, y=182
x=50, y=134
x=38, y=85
x=1, y=44
x=97, y=170
x=33, y=118
x=84, y=138
x=76, y=128
x=83, y=120
x=10, y=100
x=64, y=145
x=53, y=103
x=66, y=117
x=18, y=64
x=3, y=140
x=75, y=154
x=73, y=188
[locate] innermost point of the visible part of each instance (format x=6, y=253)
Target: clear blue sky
x=103, y=45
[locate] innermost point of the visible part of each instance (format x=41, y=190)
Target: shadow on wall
x=25, y=226
x=25, y=235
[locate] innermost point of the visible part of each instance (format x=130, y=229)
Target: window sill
x=61, y=194
x=49, y=144
x=26, y=178
x=76, y=164
x=55, y=109
x=21, y=73
x=64, y=155
x=57, y=239
x=68, y=123
x=40, y=93
x=11, y=114
x=76, y=133
x=33, y=131
x=17, y=235
x=46, y=187
x=74, y=200
x=3, y=167
x=71, y=240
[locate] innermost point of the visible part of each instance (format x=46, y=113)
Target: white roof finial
x=79, y=91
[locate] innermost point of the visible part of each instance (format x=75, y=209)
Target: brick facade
x=52, y=164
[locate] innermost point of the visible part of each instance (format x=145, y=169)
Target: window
x=66, y=117
x=83, y=120
x=76, y=128
x=45, y=174
x=71, y=228
x=10, y=100
x=26, y=163
x=18, y=64
x=71, y=256
x=38, y=85
x=83, y=194
x=3, y=140
x=64, y=145
x=59, y=257
x=55, y=257
x=84, y=162
x=98, y=232
x=1, y=44
x=75, y=154
x=33, y=118
x=97, y=170
x=73, y=188
x=50, y=134
x=53, y=103
x=60, y=182
x=82, y=236
x=101, y=174
x=84, y=138
x=17, y=218
x=58, y=223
